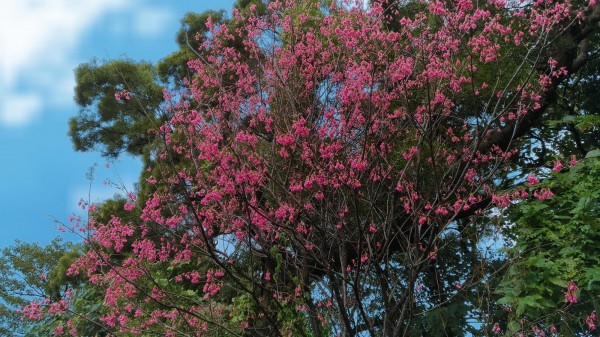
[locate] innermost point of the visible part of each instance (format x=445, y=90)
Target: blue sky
x=41, y=42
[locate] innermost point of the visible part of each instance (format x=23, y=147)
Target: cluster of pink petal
x=543, y=194
x=570, y=294
x=591, y=321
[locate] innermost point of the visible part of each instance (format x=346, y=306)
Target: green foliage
x=115, y=125
x=29, y=272
x=556, y=242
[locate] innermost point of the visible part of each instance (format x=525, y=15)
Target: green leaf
x=513, y=327
x=592, y=274
x=528, y=301
x=593, y=154
x=190, y=293
x=504, y=300
x=559, y=282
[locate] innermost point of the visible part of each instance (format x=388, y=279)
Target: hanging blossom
x=543, y=194
x=591, y=321
x=573, y=161
x=557, y=166
x=532, y=179
x=570, y=294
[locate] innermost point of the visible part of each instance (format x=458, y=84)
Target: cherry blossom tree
x=336, y=172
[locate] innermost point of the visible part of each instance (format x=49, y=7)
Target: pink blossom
x=557, y=166
x=364, y=258
x=58, y=330
x=543, y=194
x=591, y=321
x=501, y=200
x=433, y=254
x=570, y=294
x=532, y=179
x=573, y=161
x=33, y=311
x=129, y=206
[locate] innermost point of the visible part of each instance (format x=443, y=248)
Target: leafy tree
x=555, y=259
x=30, y=272
x=120, y=101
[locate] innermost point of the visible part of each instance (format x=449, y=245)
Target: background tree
x=553, y=280
x=30, y=272
x=120, y=101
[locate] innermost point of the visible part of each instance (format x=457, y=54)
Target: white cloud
x=39, y=41
x=149, y=22
x=37, y=38
x=19, y=109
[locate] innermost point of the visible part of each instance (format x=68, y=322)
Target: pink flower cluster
x=591, y=321
x=570, y=294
